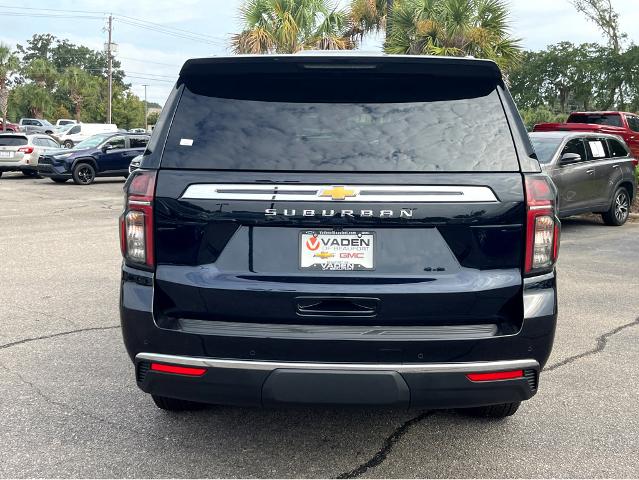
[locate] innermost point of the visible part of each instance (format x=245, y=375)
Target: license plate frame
x=361, y=254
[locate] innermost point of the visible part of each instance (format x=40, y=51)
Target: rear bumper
x=259, y=383
x=268, y=365
x=15, y=165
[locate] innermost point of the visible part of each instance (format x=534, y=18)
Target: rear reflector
x=492, y=376
x=178, y=370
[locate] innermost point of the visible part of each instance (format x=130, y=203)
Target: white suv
x=20, y=152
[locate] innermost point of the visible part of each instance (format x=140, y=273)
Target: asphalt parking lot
x=69, y=406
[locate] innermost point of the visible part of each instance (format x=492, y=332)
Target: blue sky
x=155, y=58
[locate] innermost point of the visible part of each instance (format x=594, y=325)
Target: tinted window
x=633, y=123
x=617, y=149
x=12, y=141
x=74, y=130
x=597, y=148
x=545, y=148
x=116, y=142
x=138, y=142
x=575, y=146
x=613, y=120
x=362, y=123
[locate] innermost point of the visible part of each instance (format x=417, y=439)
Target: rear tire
x=83, y=174
x=175, y=404
x=502, y=410
x=68, y=144
x=619, y=209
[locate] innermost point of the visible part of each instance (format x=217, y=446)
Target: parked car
x=135, y=164
x=137, y=130
x=19, y=152
x=388, y=242
x=65, y=121
x=624, y=124
x=82, y=131
x=103, y=155
x=11, y=127
x=35, y=125
x=593, y=173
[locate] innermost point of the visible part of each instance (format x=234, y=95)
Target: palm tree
x=41, y=72
x=8, y=65
x=454, y=27
x=79, y=84
x=288, y=26
x=371, y=16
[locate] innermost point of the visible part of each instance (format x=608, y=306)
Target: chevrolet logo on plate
x=324, y=255
x=338, y=193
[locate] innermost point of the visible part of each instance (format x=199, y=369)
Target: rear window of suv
x=340, y=123
x=12, y=141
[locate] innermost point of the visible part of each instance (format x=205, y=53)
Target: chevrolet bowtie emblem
x=338, y=193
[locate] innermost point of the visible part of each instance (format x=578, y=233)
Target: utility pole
x=110, y=68
x=146, y=115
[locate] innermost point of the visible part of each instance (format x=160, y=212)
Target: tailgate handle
x=337, y=306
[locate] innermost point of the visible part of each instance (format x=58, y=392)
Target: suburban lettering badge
x=292, y=212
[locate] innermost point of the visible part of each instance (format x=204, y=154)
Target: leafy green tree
x=8, y=65
x=63, y=54
x=454, y=27
x=30, y=100
x=78, y=85
x=288, y=26
x=128, y=110
x=152, y=118
x=566, y=77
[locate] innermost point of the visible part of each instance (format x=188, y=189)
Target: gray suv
x=593, y=172
x=36, y=125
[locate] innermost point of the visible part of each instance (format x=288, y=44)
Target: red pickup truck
x=624, y=124
x=11, y=127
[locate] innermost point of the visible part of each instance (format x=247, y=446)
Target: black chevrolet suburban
x=339, y=230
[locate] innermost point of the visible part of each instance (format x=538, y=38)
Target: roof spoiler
x=386, y=64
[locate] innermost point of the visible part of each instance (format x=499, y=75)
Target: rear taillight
x=25, y=149
x=136, y=222
x=542, y=226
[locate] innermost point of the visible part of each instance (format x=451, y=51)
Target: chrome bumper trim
x=353, y=367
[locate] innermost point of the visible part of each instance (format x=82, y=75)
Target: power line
x=150, y=79
x=149, y=61
x=192, y=37
x=127, y=20
x=153, y=74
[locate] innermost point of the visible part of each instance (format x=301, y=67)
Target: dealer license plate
x=330, y=250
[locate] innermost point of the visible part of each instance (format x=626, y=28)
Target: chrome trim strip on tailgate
x=355, y=367
x=337, y=332
x=345, y=193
